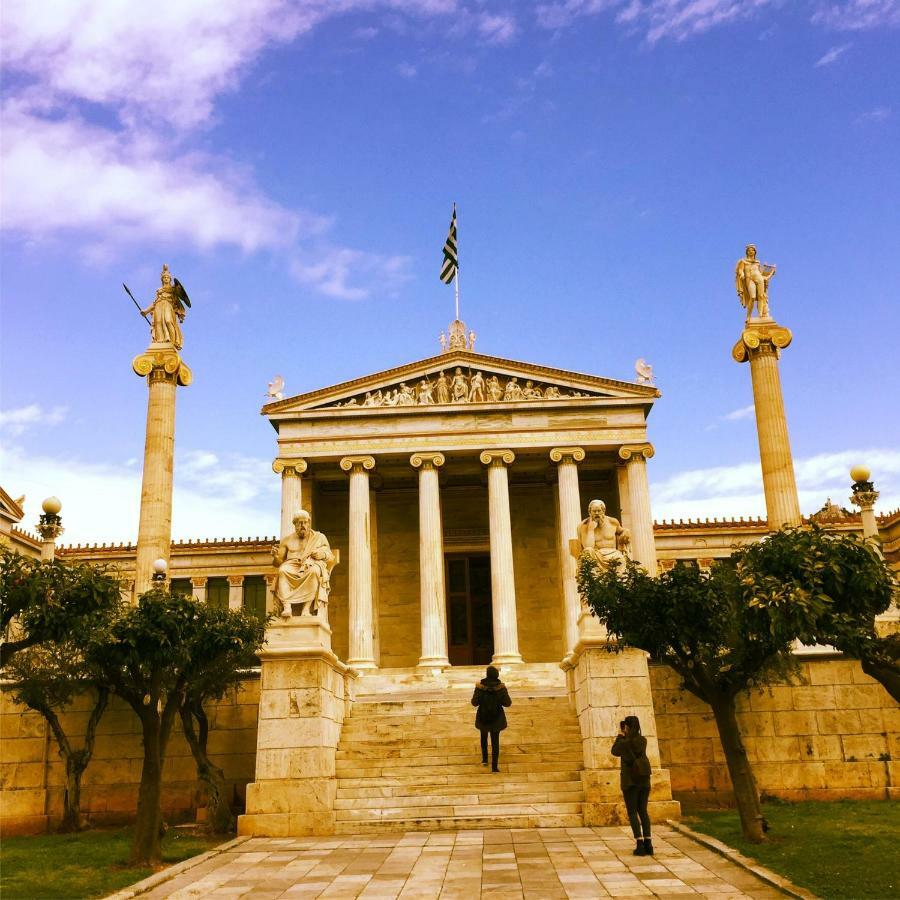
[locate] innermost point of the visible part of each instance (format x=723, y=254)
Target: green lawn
x=844, y=849
x=89, y=864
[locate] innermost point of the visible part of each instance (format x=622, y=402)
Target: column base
x=433, y=662
x=362, y=665
x=507, y=659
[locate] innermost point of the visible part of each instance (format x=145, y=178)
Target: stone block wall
x=833, y=733
x=32, y=773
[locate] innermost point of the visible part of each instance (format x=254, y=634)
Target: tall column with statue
x=761, y=344
x=162, y=366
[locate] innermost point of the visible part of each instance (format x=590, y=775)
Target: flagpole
x=456, y=279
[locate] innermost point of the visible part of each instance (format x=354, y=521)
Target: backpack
x=489, y=705
x=640, y=768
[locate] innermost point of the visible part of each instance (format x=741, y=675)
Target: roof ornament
x=276, y=388
x=644, y=371
x=460, y=338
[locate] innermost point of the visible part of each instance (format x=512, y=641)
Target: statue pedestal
x=304, y=696
x=299, y=633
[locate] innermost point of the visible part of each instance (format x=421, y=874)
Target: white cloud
x=682, y=19
x=733, y=491
x=858, y=15
x=832, y=55
x=496, y=29
x=14, y=422
x=406, y=70
x=878, y=114
x=234, y=496
x=745, y=412
x=351, y=274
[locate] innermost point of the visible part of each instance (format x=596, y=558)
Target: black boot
x=648, y=847
x=639, y=849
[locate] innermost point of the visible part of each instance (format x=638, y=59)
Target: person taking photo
x=634, y=766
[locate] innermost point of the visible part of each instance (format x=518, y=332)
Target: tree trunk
x=218, y=809
x=72, y=819
x=147, y=847
x=745, y=793
x=888, y=675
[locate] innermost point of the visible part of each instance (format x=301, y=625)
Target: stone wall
x=834, y=733
x=32, y=773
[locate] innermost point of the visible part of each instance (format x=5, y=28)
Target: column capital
x=427, y=460
x=348, y=463
x=760, y=339
x=562, y=454
x=282, y=466
x=235, y=580
x=497, y=457
x=199, y=581
x=627, y=451
x=162, y=365
x=864, y=499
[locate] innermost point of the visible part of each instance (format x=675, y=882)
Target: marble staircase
x=409, y=758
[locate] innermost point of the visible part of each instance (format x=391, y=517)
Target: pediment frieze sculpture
x=457, y=386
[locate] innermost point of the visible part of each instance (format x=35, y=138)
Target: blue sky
x=295, y=163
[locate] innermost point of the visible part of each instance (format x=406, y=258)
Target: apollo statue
x=751, y=279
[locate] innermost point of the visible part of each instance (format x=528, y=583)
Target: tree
x=49, y=601
x=154, y=653
x=224, y=675
x=705, y=627
x=47, y=678
x=829, y=587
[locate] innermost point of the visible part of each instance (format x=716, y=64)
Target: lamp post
x=864, y=496
x=50, y=527
x=160, y=573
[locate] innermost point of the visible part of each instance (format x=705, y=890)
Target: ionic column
x=624, y=500
x=362, y=653
x=199, y=588
x=761, y=344
x=235, y=591
x=567, y=459
x=643, y=545
x=271, y=584
x=432, y=597
x=291, y=492
x=164, y=371
x=503, y=585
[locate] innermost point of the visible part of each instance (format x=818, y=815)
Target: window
x=181, y=586
x=255, y=595
x=217, y=593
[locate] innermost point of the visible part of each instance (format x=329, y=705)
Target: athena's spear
x=138, y=305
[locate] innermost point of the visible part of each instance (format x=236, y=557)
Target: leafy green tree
x=49, y=601
x=223, y=676
x=705, y=627
x=155, y=651
x=47, y=678
x=828, y=587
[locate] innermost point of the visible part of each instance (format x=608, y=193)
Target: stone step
x=443, y=778
x=462, y=797
x=457, y=823
x=457, y=752
x=376, y=769
x=485, y=811
x=507, y=786
x=352, y=758
x=459, y=739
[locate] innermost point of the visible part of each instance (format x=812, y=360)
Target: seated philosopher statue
x=304, y=561
x=601, y=538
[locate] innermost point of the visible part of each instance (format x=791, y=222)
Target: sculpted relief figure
x=476, y=388
x=459, y=387
x=494, y=389
x=425, y=395
x=166, y=312
x=304, y=561
x=405, y=396
x=442, y=394
x=602, y=538
x=751, y=279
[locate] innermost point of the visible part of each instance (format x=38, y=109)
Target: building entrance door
x=470, y=629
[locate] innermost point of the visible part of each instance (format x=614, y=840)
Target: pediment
x=461, y=377
x=9, y=508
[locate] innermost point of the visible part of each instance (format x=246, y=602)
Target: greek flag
x=450, y=263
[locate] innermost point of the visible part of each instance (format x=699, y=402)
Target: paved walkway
x=527, y=864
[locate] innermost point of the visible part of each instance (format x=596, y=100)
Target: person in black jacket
x=490, y=697
x=631, y=748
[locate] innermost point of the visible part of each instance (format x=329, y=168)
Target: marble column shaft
x=362, y=654
x=432, y=592
x=779, y=483
x=235, y=591
x=643, y=545
x=198, y=585
x=624, y=499
x=503, y=584
x=291, y=490
x=155, y=523
x=567, y=459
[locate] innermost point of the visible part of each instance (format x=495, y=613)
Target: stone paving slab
x=503, y=864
